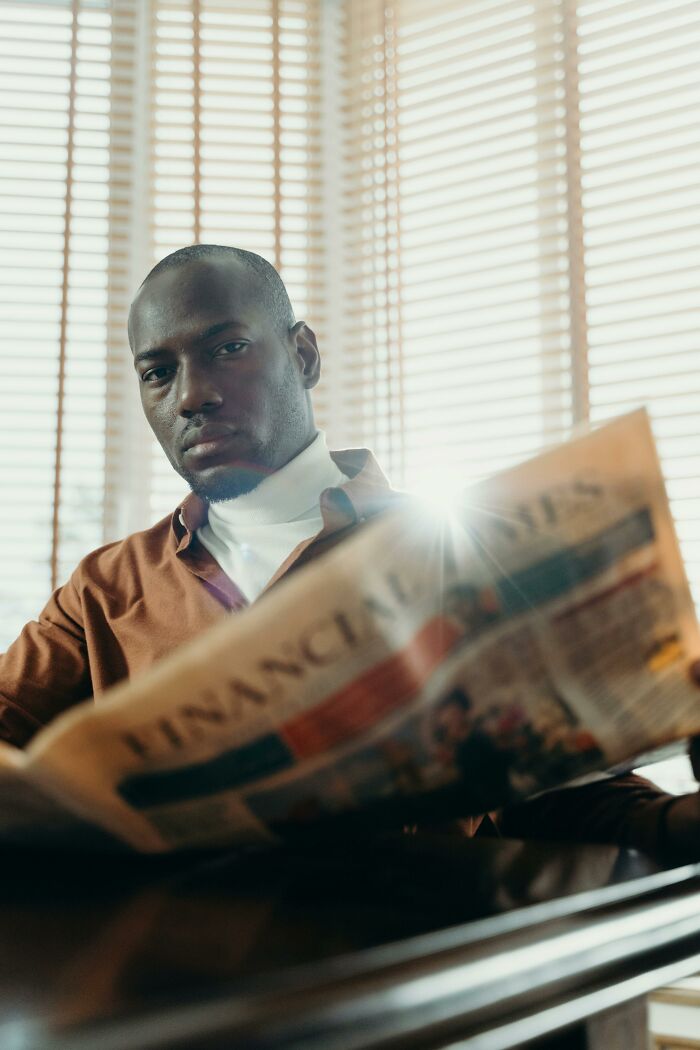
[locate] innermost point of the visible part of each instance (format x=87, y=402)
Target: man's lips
x=205, y=440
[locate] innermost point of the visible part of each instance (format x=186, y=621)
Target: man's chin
x=223, y=483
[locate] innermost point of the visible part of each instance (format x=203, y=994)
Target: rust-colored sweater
x=132, y=602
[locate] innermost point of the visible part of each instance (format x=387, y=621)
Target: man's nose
x=197, y=390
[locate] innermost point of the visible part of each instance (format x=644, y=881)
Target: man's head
x=224, y=370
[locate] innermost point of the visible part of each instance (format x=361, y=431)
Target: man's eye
x=155, y=375
x=229, y=349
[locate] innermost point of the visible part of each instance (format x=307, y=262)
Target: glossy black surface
x=89, y=939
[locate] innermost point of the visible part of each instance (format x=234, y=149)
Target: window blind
x=128, y=129
x=54, y=143
x=639, y=83
x=236, y=148
x=523, y=230
x=487, y=209
x=458, y=229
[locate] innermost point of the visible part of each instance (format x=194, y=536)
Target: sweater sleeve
x=625, y=810
x=45, y=671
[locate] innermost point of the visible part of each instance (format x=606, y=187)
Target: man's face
x=224, y=390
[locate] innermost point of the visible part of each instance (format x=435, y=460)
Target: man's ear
x=308, y=356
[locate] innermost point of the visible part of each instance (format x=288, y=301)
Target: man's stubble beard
x=238, y=480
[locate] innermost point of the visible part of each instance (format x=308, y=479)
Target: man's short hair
x=276, y=293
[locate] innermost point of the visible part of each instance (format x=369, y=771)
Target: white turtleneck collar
x=287, y=494
x=252, y=535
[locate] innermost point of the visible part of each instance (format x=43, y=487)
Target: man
x=224, y=373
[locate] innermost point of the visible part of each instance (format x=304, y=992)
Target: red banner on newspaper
x=368, y=699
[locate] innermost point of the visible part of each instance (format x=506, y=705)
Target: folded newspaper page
x=540, y=632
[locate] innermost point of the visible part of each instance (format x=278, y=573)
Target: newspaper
x=539, y=632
